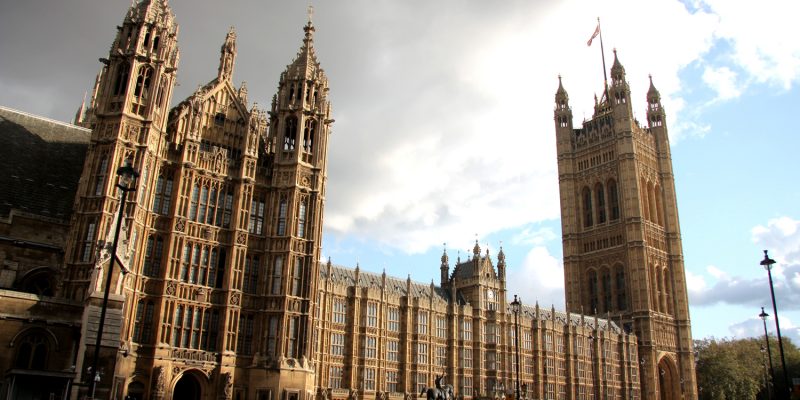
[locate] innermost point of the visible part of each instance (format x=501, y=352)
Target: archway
x=668, y=387
x=187, y=388
x=135, y=391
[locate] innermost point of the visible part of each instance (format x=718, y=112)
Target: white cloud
x=754, y=327
x=540, y=279
x=723, y=81
x=782, y=237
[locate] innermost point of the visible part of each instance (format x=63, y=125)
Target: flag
x=594, y=35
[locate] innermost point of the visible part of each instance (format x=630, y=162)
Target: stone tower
x=224, y=228
x=129, y=109
x=622, y=245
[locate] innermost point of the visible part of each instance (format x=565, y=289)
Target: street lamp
x=767, y=379
x=767, y=264
x=763, y=317
x=127, y=180
x=516, y=308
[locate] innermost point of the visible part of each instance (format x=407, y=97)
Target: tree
x=738, y=369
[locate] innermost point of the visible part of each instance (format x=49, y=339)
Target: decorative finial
x=310, y=13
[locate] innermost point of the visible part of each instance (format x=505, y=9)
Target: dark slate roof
x=569, y=318
x=347, y=277
x=40, y=164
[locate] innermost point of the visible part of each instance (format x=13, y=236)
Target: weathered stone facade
x=388, y=338
x=622, y=243
x=225, y=298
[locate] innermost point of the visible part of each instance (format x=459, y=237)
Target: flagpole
x=603, y=55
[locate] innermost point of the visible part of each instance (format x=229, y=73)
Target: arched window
x=291, y=92
x=622, y=300
x=32, y=352
x=593, y=295
x=152, y=256
x=290, y=134
x=613, y=199
x=143, y=325
x=587, y=207
x=651, y=203
x=607, y=295
x=121, y=81
x=301, y=219
x=282, y=208
x=601, y=203
x=667, y=291
x=644, y=199
x=142, y=90
x=308, y=136
x=155, y=43
x=659, y=216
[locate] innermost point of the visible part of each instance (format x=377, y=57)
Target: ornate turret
x=227, y=56
x=445, y=268
x=655, y=111
x=620, y=91
x=501, y=264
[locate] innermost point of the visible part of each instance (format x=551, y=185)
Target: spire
x=79, y=114
x=445, y=267
x=617, y=71
x=477, y=249
x=227, y=56
x=653, y=96
x=243, y=93
x=655, y=111
x=561, y=93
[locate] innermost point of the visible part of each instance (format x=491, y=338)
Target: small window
x=219, y=119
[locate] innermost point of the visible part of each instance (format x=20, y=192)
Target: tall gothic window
x=251, y=266
x=282, y=208
x=244, y=343
x=152, y=256
x=607, y=305
x=301, y=219
x=587, y=207
x=593, y=295
x=290, y=134
x=142, y=89
x=277, y=273
x=297, y=276
x=121, y=81
x=256, y=216
x=143, y=325
x=32, y=352
x=601, y=203
x=613, y=199
x=100, y=179
x=87, y=246
x=163, y=195
x=622, y=301
x=308, y=136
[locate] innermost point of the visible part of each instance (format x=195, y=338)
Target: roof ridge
x=50, y=120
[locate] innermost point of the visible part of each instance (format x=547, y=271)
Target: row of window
x=600, y=203
x=290, y=134
x=607, y=290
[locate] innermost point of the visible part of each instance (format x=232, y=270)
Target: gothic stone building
x=621, y=236
x=224, y=296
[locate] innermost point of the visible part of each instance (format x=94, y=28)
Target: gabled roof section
x=347, y=277
x=42, y=162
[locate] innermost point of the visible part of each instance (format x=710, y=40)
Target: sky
x=444, y=130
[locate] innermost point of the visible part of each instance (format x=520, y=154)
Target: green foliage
x=737, y=369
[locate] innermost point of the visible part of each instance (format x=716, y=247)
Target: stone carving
x=180, y=224
x=235, y=299
x=171, y=288
x=161, y=380
x=440, y=392
x=227, y=381
x=353, y=395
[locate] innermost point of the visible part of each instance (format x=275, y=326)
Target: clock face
x=490, y=295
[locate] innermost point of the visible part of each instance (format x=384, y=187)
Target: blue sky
x=444, y=124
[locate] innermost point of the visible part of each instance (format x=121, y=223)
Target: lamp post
x=516, y=308
x=767, y=264
x=767, y=380
x=127, y=177
x=763, y=317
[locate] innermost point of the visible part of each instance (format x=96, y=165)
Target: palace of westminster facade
x=226, y=296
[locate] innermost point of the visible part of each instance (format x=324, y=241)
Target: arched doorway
x=187, y=388
x=135, y=391
x=668, y=380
